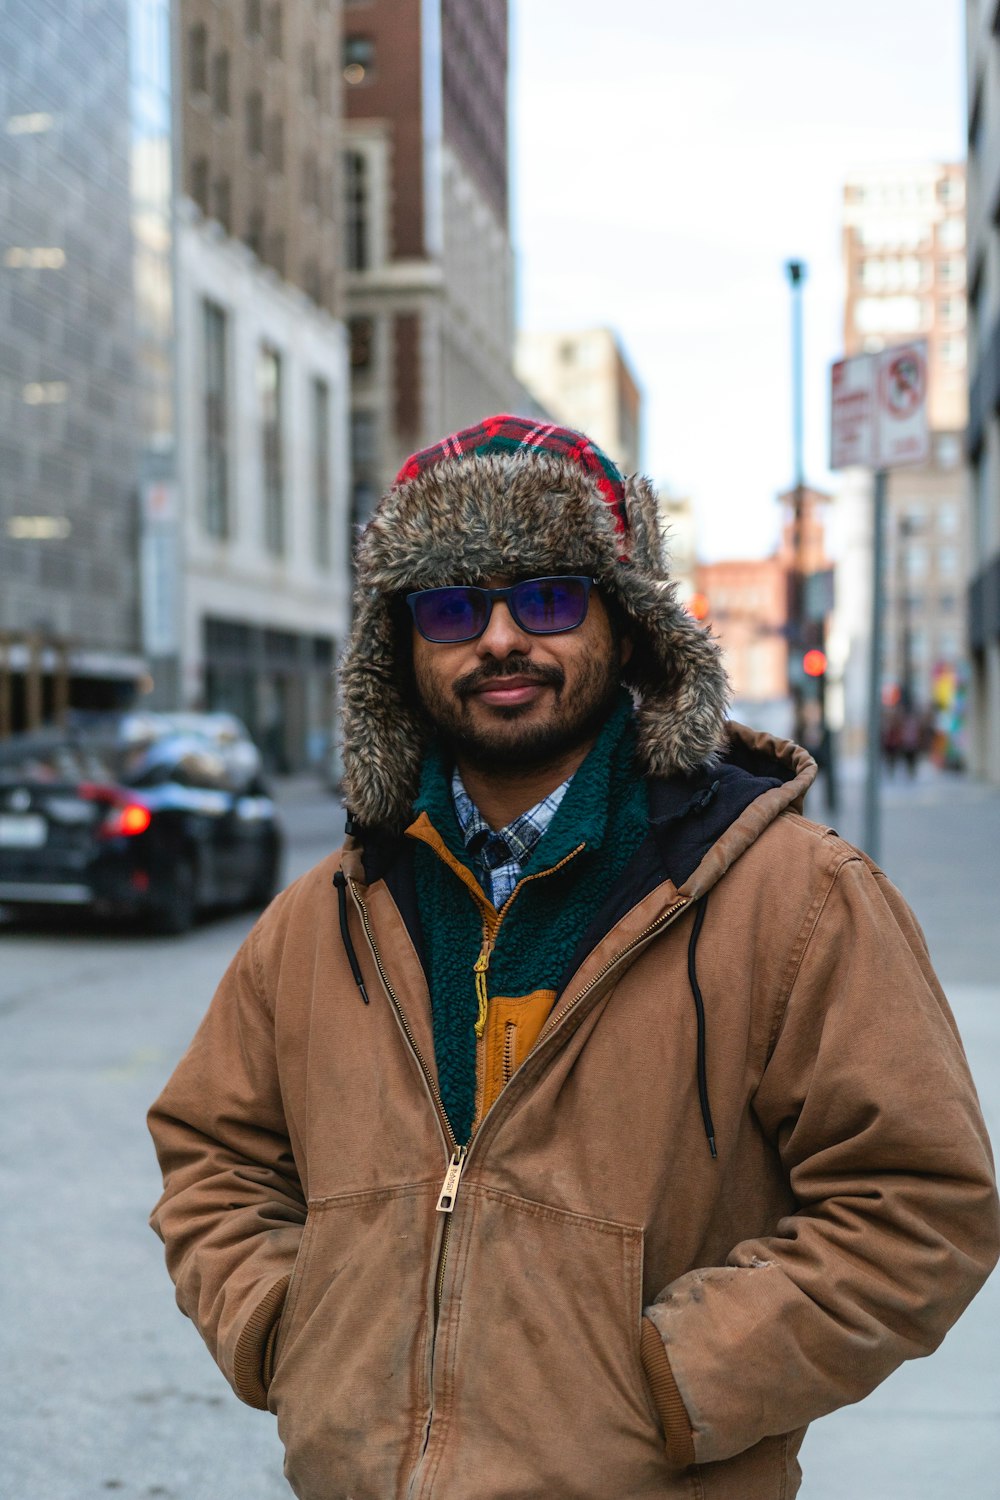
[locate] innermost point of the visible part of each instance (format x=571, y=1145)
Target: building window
x=199, y=182
x=364, y=466
x=215, y=416
x=269, y=395
x=357, y=211
x=888, y=314
x=255, y=122
x=953, y=351
x=321, y=469
x=274, y=35
x=947, y=562
x=276, y=144
x=198, y=59
x=362, y=333
x=255, y=232
x=222, y=197
x=310, y=179
x=310, y=72
x=252, y=13
x=916, y=561
x=947, y=515
x=220, y=83
x=312, y=281
x=358, y=60
x=951, y=232
x=982, y=505
x=951, y=190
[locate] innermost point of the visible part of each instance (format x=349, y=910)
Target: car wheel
x=177, y=907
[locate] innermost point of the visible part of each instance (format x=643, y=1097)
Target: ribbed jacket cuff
x=254, y=1357
x=673, y=1414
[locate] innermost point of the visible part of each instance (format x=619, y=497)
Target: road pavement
x=108, y=1390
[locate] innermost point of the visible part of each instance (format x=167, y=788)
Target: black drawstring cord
x=699, y=1007
x=340, y=881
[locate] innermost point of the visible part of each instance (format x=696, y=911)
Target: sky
x=668, y=158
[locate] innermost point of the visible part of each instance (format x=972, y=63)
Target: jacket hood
x=465, y=518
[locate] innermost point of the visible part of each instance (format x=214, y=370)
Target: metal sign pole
x=872, y=833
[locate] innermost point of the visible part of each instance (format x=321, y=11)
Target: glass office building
x=86, y=366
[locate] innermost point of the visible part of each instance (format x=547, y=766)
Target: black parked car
x=156, y=815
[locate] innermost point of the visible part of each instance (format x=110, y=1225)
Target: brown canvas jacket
x=608, y=1309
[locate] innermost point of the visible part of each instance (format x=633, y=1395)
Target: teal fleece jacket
x=606, y=811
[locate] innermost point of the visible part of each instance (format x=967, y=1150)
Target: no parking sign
x=878, y=409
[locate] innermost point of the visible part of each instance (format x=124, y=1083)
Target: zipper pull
x=449, y=1188
x=481, y=965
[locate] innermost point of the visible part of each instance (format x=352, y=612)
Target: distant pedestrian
x=911, y=736
x=892, y=735
x=591, y=1121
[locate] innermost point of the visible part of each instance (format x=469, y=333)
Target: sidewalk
x=933, y=1429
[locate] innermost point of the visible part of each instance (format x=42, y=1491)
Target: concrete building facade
x=680, y=534
x=905, y=278
x=260, y=131
x=585, y=380
x=428, y=262
x=263, y=541
x=983, y=444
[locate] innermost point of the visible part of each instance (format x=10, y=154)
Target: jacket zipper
x=491, y=931
x=663, y=920
x=456, y=1165
x=509, y=1045
x=449, y=1188
x=432, y=1088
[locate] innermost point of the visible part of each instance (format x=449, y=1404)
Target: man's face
x=510, y=699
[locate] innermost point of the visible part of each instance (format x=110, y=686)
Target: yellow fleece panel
x=513, y=1025
x=510, y=1025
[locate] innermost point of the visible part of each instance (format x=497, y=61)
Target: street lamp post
x=795, y=270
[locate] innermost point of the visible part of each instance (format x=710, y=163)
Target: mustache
x=511, y=666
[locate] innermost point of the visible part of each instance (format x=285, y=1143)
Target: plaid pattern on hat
x=505, y=434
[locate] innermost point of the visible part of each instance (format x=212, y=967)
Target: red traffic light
x=814, y=663
x=698, y=606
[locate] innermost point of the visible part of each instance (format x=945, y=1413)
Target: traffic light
x=814, y=663
x=698, y=606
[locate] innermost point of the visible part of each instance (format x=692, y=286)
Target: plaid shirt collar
x=499, y=855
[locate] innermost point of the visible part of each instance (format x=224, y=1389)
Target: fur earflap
x=461, y=521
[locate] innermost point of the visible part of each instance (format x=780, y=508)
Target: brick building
x=428, y=262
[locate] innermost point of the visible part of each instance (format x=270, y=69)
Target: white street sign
x=852, y=413
x=901, y=426
x=878, y=409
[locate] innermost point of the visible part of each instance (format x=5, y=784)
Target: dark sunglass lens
x=547, y=605
x=450, y=614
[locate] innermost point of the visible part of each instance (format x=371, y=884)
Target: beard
x=517, y=737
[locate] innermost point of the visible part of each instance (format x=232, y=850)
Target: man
x=591, y=1121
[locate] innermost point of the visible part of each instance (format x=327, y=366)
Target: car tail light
x=123, y=818
x=126, y=820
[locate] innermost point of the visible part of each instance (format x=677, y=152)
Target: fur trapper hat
x=511, y=496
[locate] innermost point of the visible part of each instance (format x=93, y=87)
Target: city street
x=108, y=1390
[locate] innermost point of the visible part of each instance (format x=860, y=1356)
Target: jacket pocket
x=538, y=1372
x=287, y=1320
x=349, y=1387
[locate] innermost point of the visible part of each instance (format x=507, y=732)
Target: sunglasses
x=540, y=606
